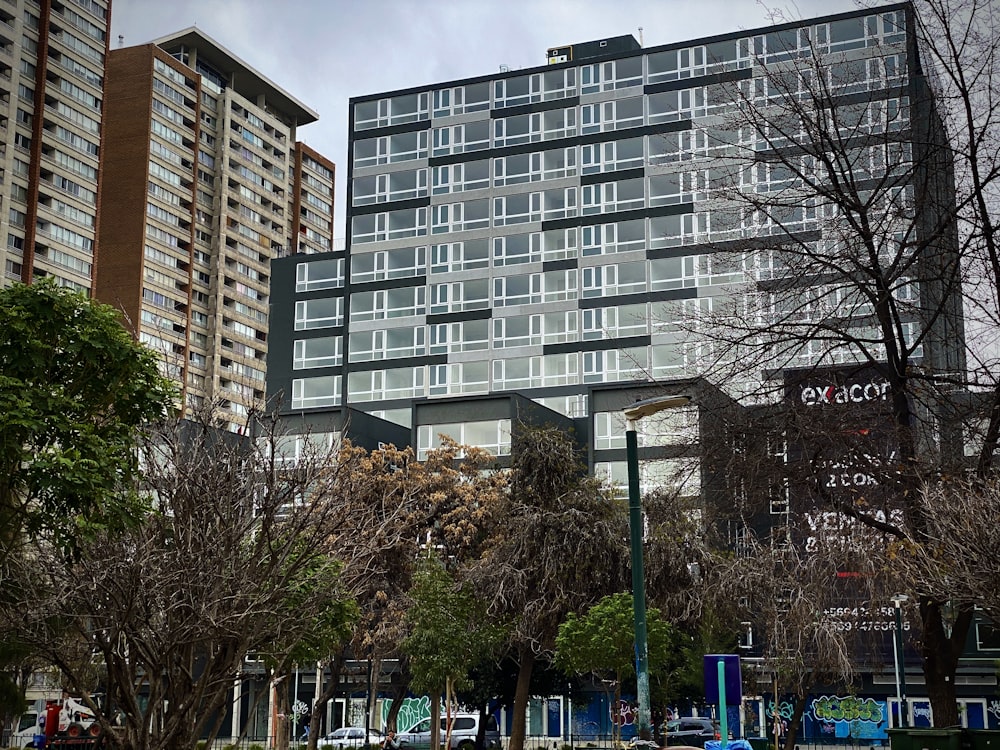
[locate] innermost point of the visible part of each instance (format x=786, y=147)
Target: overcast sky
x=325, y=51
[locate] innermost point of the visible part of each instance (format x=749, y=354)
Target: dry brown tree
x=959, y=557
x=393, y=508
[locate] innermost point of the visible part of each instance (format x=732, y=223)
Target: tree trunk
x=940, y=652
x=398, y=695
x=616, y=725
x=284, y=719
x=526, y=663
x=436, y=720
x=319, y=704
x=481, y=731
x=374, y=677
x=448, y=698
x=796, y=720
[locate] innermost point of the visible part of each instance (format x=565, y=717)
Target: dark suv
x=690, y=731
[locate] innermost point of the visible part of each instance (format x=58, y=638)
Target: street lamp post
x=633, y=414
x=897, y=653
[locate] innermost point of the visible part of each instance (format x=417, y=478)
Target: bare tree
x=960, y=554
x=235, y=547
x=805, y=634
x=852, y=180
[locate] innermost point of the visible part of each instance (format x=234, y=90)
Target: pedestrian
x=306, y=721
x=390, y=742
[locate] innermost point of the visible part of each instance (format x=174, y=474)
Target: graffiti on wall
x=850, y=716
x=622, y=713
x=412, y=712
x=851, y=708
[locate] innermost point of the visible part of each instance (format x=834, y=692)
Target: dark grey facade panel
x=595, y=346
x=406, y=281
x=376, y=208
x=606, y=218
x=456, y=317
x=705, y=80
x=543, y=106
x=668, y=295
x=621, y=174
x=559, y=265
x=383, y=364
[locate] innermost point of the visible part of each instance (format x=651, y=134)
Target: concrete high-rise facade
x=554, y=232
x=52, y=72
x=204, y=184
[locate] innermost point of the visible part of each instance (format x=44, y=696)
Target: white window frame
x=501, y=292
x=303, y=322
x=563, y=244
x=604, y=197
x=673, y=106
x=451, y=178
x=501, y=204
x=448, y=338
x=457, y=378
x=453, y=139
x=451, y=217
x=502, y=335
x=501, y=99
x=385, y=264
x=602, y=239
x=564, y=203
x=603, y=157
x=602, y=117
x=448, y=257
x=502, y=176
x=553, y=128
x=532, y=134
x=329, y=397
x=503, y=249
x=603, y=76
x=334, y=280
x=301, y=360
x=453, y=297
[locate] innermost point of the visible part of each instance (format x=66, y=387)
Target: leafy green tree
x=74, y=388
x=602, y=642
x=449, y=633
x=316, y=596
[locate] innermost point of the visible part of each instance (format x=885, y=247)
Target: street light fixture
x=633, y=414
x=897, y=657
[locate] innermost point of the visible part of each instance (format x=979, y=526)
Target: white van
x=463, y=733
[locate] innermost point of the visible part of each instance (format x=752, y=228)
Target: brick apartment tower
x=203, y=185
x=52, y=67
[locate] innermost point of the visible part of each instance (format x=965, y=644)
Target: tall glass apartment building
x=539, y=231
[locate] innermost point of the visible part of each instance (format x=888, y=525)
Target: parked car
x=690, y=731
x=351, y=737
x=463, y=733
